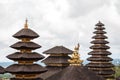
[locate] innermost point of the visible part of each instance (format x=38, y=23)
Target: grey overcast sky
x=60, y=22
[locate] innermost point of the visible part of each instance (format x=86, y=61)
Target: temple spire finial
x=75, y=58
x=26, y=24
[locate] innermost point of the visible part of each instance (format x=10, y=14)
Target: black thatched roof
x=58, y=50
x=2, y=70
x=57, y=59
x=51, y=71
x=99, y=32
x=25, y=45
x=99, y=24
x=26, y=79
x=26, y=33
x=99, y=37
x=99, y=58
x=75, y=73
x=99, y=42
x=99, y=47
x=25, y=68
x=25, y=56
x=100, y=65
x=99, y=53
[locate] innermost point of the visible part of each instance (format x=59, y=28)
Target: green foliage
x=117, y=71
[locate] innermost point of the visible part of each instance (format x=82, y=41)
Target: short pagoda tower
x=76, y=70
x=99, y=60
x=25, y=68
x=57, y=60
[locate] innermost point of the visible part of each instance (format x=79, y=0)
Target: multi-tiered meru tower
x=57, y=60
x=25, y=68
x=99, y=60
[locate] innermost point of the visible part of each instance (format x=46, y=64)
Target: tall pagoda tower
x=99, y=60
x=25, y=68
x=57, y=60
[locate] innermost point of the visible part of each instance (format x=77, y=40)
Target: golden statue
x=75, y=58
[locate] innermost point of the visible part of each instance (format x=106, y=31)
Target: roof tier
x=99, y=42
x=26, y=79
x=101, y=46
x=58, y=50
x=57, y=59
x=99, y=53
x=2, y=70
x=99, y=32
x=26, y=33
x=99, y=37
x=25, y=45
x=75, y=73
x=100, y=65
x=99, y=24
x=25, y=56
x=99, y=58
x=25, y=69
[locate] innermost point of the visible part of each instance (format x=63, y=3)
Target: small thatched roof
x=25, y=68
x=2, y=70
x=99, y=53
x=99, y=32
x=26, y=33
x=25, y=45
x=99, y=59
x=58, y=50
x=99, y=37
x=99, y=24
x=75, y=73
x=25, y=56
x=99, y=42
x=100, y=65
x=57, y=59
x=99, y=47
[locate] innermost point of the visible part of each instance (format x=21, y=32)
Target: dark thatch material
x=75, y=73
x=57, y=59
x=25, y=56
x=99, y=59
x=100, y=65
x=51, y=71
x=25, y=45
x=99, y=32
x=25, y=68
x=58, y=50
x=99, y=42
x=99, y=24
x=26, y=33
x=99, y=37
x=99, y=47
x=99, y=53
x=2, y=70
x=26, y=79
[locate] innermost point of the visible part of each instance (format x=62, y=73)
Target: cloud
x=59, y=22
x=84, y=7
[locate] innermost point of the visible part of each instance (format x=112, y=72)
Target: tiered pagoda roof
x=75, y=71
x=26, y=69
x=2, y=70
x=57, y=60
x=100, y=62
